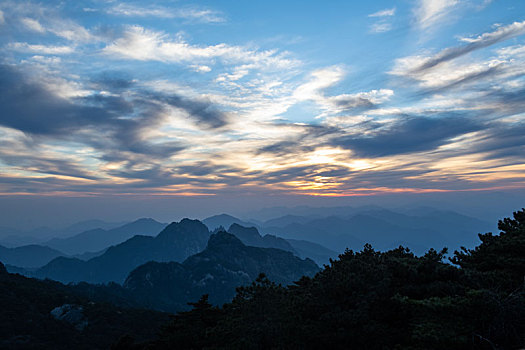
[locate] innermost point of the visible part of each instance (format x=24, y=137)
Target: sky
x=258, y=102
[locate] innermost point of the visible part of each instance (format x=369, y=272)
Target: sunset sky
x=268, y=98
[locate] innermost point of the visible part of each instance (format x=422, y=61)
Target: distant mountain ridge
x=384, y=229
x=11, y=238
x=225, y=221
x=249, y=234
x=97, y=239
x=29, y=256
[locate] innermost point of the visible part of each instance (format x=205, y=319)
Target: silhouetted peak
x=223, y=238
x=3, y=270
x=222, y=216
x=144, y=221
x=184, y=225
x=244, y=232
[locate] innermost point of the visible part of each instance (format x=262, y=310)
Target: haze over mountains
x=97, y=239
x=317, y=233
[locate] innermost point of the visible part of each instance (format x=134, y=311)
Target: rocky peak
x=223, y=238
x=249, y=235
x=184, y=228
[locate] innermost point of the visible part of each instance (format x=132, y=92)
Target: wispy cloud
x=380, y=27
x=33, y=25
x=417, y=65
x=48, y=22
x=384, y=23
x=384, y=13
x=41, y=49
x=138, y=43
x=431, y=12
x=188, y=13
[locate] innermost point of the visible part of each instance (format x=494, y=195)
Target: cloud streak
x=187, y=13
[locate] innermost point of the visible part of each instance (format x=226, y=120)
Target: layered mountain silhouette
x=318, y=253
x=301, y=248
x=225, y=264
x=225, y=221
x=249, y=234
x=98, y=239
x=11, y=237
x=384, y=229
x=29, y=256
x=175, y=243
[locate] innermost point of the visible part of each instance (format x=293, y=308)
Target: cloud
x=384, y=24
x=384, y=13
x=204, y=112
x=200, y=68
x=47, y=20
x=188, y=13
x=33, y=25
x=2, y=17
x=380, y=27
x=430, y=12
x=41, y=49
x=408, y=135
x=108, y=123
x=138, y=43
x=366, y=100
x=322, y=79
x=442, y=70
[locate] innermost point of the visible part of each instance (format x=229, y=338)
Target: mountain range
x=11, y=237
x=176, y=242
x=384, y=229
x=97, y=239
x=225, y=264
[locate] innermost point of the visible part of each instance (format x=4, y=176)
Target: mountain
x=225, y=221
x=225, y=264
x=301, y=248
x=305, y=249
x=28, y=256
x=175, y=243
x=97, y=239
x=48, y=315
x=250, y=236
x=11, y=238
x=384, y=229
x=286, y=220
x=17, y=240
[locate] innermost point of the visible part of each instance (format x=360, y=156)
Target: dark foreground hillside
x=48, y=315
x=374, y=300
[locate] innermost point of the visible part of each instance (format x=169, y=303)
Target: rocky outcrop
x=72, y=314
